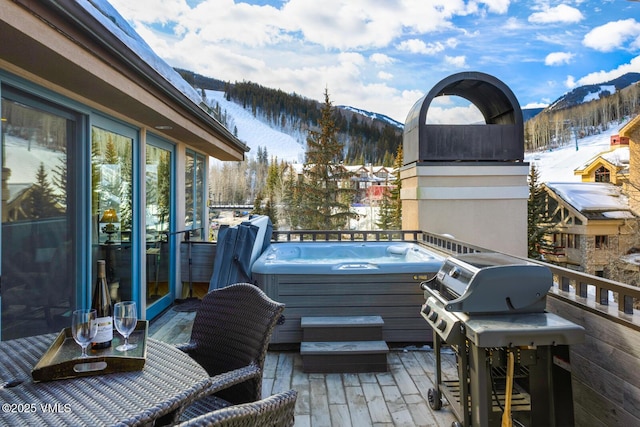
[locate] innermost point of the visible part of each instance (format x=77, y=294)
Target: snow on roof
x=111, y=20
x=618, y=157
x=594, y=196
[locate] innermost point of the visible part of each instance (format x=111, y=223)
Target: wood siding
x=605, y=375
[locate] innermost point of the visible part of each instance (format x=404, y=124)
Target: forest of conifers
x=365, y=140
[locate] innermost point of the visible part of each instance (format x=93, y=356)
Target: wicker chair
x=273, y=411
x=230, y=337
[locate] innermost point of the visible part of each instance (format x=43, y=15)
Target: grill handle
x=429, y=284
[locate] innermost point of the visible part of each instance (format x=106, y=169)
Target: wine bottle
x=102, y=303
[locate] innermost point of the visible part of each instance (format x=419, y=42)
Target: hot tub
x=348, y=279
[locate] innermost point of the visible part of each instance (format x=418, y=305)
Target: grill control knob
x=426, y=309
x=442, y=325
x=432, y=316
x=454, y=272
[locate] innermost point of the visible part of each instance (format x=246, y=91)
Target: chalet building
x=595, y=222
x=593, y=226
x=611, y=166
x=371, y=183
x=105, y=154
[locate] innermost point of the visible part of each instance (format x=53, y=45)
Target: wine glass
x=84, y=328
x=125, y=318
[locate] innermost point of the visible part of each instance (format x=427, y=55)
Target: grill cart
x=512, y=356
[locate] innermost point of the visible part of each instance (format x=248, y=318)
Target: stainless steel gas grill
x=512, y=356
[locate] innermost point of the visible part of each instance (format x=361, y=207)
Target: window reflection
x=158, y=220
x=38, y=285
x=111, y=208
x=194, y=194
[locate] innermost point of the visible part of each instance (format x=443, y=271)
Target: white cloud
x=613, y=35
x=382, y=75
x=497, y=6
x=570, y=82
x=558, y=58
x=535, y=105
x=381, y=59
x=457, y=115
x=514, y=23
x=559, y=14
x=603, y=76
x=456, y=61
x=418, y=46
x=451, y=42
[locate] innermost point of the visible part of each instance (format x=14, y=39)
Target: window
x=194, y=194
x=39, y=211
x=158, y=224
x=573, y=241
x=112, y=204
x=602, y=174
x=602, y=242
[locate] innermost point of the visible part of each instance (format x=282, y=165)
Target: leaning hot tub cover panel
x=500, y=139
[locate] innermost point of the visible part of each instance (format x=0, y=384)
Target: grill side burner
x=489, y=308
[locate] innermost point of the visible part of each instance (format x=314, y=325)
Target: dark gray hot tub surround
x=363, y=279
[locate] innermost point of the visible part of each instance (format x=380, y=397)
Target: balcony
x=605, y=378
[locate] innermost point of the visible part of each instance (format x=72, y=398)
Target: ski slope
x=558, y=165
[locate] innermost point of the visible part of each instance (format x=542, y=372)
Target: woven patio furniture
x=153, y=396
x=230, y=337
x=274, y=411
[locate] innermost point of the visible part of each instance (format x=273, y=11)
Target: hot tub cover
x=238, y=247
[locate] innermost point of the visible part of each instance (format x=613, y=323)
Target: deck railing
x=345, y=235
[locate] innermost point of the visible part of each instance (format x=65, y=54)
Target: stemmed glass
x=84, y=328
x=125, y=318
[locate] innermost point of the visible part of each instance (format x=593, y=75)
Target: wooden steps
x=347, y=344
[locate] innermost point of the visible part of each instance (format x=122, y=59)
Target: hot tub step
x=341, y=328
x=344, y=356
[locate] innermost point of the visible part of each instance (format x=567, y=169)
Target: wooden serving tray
x=62, y=359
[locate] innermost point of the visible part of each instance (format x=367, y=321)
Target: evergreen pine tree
x=257, y=204
x=325, y=200
x=59, y=179
x=396, y=201
x=164, y=189
x=537, y=225
x=385, y=214
x=291, y=198
x=41, y=201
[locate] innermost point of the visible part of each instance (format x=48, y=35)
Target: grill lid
x=489, y=282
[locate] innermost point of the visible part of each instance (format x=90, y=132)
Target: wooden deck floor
x=394, y=398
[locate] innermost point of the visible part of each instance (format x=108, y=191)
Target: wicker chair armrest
x=187, y=347
x=237, y=376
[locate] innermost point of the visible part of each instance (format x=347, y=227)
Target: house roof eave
x=82, y=32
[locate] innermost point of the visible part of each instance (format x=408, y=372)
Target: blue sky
x=384, y=55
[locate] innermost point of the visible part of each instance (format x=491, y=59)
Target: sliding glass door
x=39, y=215
x=158, y=225
x=112, y=205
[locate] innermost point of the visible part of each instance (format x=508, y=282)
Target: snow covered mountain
x=256, y=134
x=373, y=116
x=584, y=94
